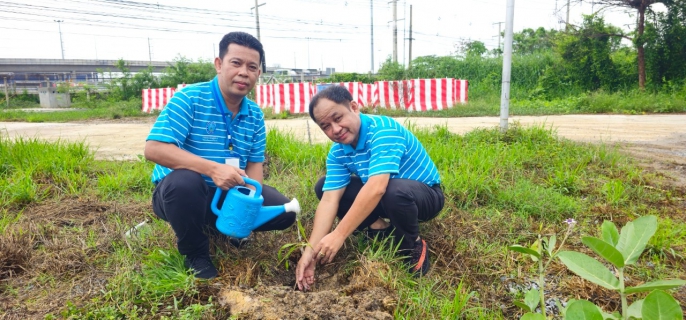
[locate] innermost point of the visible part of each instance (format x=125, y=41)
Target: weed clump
x=15, y=253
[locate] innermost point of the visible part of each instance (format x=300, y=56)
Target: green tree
x=391, y=70
x=130, y=85
x=666, y=45
x=470, y=48
x=586, y=53
x=642, y=6
x=184, y=70
x=529, y=41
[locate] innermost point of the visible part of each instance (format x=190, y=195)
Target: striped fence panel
x=436, y=94
x=412, y=95
x=292, y=97
x=156, y=99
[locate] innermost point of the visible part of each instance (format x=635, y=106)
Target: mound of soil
x=363, y=297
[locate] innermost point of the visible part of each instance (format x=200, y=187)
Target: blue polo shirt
x=383, y=146
x=193, y=121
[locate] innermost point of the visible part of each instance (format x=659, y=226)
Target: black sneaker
x=379, y=234
x=202, y=266
x=419, y=259
x=240, y=243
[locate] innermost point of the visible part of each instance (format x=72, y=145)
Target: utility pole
x=404, y=36
x=409, y=62
x=371, y=8
x=149, y=51
x=59, y=27
x=257, y=27
x=7, y=95
x=507, y=67
x=499, y=35
x=395, y=31
x=567, y=21
x=257, y=19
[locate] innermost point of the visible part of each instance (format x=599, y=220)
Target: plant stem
x=622, y=294
x=541, y=283
x=541, y=275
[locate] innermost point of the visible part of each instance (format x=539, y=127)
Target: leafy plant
x=287, y=249
x=621, y=250
x=542, y=247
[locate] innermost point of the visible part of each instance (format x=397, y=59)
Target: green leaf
x=659, y=305
x=605, y=250
x=522, y=305
x=589, y=269
x=525, y=250
x=532, y=298
x=635, y=236
x=536, y=246
x=610, y=233
x=532, y=316
x=583, y=310
x=551, y=245
x=634, y=309
x=656, y=285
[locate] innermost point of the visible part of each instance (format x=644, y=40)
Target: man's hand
x=304, y=273
x=226, y=176
x=328, y=247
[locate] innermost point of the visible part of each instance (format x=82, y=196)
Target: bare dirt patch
x=48, y=256
x=364, y=297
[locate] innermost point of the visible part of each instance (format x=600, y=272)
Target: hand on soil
x=304, y=273
x=226, y=177
x=328, y=247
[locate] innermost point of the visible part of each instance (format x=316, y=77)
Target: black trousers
x=183, y=199
x=405, y=204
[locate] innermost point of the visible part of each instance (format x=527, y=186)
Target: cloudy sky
x=295, y=33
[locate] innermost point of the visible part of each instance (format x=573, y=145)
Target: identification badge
x=232, y=158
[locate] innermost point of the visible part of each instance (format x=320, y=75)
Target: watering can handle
x=254, y=183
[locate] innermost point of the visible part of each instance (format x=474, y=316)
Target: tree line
x=547, y=64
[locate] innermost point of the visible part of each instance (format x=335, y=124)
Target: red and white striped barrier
x=391, y=94
x=291, y=97
x=156, y=99
x=435, y=94
x=362, y=92
x=411, y=95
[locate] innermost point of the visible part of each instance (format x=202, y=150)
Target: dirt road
x=665, y=134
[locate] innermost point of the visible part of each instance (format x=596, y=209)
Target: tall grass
x=33, y=169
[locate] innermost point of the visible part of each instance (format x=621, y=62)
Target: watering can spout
x=271, y=212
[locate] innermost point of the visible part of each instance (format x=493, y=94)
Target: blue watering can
x=242, y=211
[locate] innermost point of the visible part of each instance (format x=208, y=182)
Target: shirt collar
x=221, y=105
x=361, y=138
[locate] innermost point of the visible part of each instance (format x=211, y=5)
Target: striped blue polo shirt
x=192, y=120
x=384, y=146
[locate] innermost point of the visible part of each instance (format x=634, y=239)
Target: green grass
x=500, y=189
x=80, y=112
x=480, y=104
x=632, y=102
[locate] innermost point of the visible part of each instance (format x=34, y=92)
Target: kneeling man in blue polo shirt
x=210, y=136
x=376, y=169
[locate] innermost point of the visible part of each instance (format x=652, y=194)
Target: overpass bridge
x=30, y=73
x=21, y=66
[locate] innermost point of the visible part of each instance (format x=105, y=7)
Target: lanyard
x=220, y=106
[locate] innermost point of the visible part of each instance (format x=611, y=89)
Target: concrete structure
x=73, y=65
x=50, y=98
